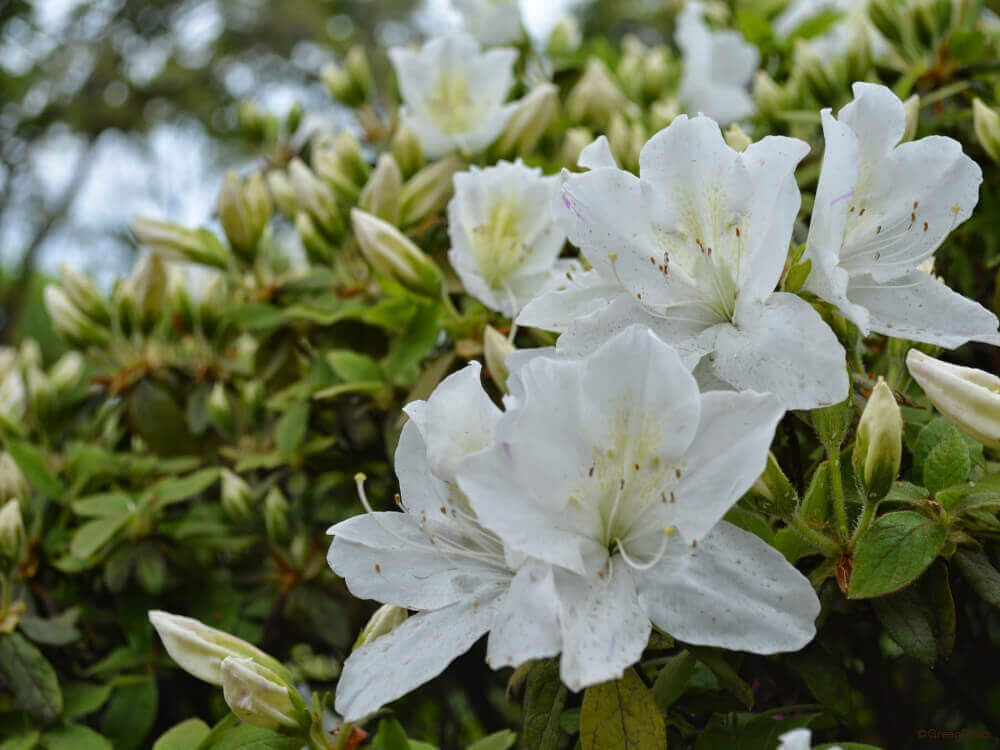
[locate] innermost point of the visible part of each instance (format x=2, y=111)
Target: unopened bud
x=250, y=119
x=276, y=515
x=69, y=321
x=338, y=176
x=359, y=71
x=767, y=94
x=348, y=150
x=144, y=291
x=11, y=530
x=219, y=408
x=318, y=250
x=174, y=241
x=565, y=38
x=392, y=254
x=66, y=373
x=313, y=195
x=878, y=446
x=772, y=490
x=887, y=18
x=13, y=395
x=833, y=422
x=340, y=86
x=82, y=292
x=13, y=483
x=407, y=150
x=496, y=349
x=260, y=697
x=294, y=116
x=386, y=619
x=986, y=122
x=199, y=650
x=244, y=210
x=595, y=97
x=966, y=397
x=736, y=138
x=618, y=139
x=629, y=70
x=429, y=190
x=656, y=71
x=662, y=112
x=912, y=109
x=282, y=192
x=236, y=496
x=39, y=389
x=574, y=141
x=529, y=121
x=382, y=195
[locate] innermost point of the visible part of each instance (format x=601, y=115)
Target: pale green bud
x=767, y=94
x=145, y=289
x=565, y=38
x=294, y=116
x=13, y=483
x=574, y=141
x=29, y=353
x=329, y=167
x=618, y=139
x=429, y=190
x=83, y=293
x=531, y=118
x=392, y=254
x=219, y=408
x=243, y=221
x=629, y=70
x=736, y=138
x=966, y=397
x=340, y=86
x=282, y=192
x=318, y=250
x=986, y=122
x=359, y=71
x=878, y=446
x=253, y=394
x=773, y=492
x=348, y=150
x=250, y=119
x=662, y=112
x=11, y=530
x=13, y=396
x=833, y=422
x=235, y=495
x=276, y=515
x=66, y=373
x=912, y=109
x=260, y=697
x=407, y=150
x=496, y=349
x=174, y=241
x=386, y=619
x=69, y=321
x=39, y=388
x=656, y=71
x=313, y=195
x=595, y=97
x=258, y=200
x=382, y=195
x=199, y=650
x=208, y=305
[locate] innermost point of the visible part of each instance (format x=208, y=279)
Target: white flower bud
x=315, y=196
x=986, y=123
x=340, y=86
x=66, y=373
x=243, y=213
x=199, y=649
x=966, y=397
x=236, y=496
x=663, y=111
x=69, y=321
x=11, y=530
x=348, y=150
x=532, y=116
x=174, y=241
x=496, y=349
x=407, y=150
x=384, y=621
x=656, y=71
x=595, y=97
x=219, y=407
x=878, y=446
x=13, y=483
x=429, y=190
x=565, y=38
x=767, y=94
x=276, y=514
x=39, y=388
x=382, y=195
x=318, y=250
x=359, y=71
x=260, y=697
x=82, y=292
x=575, y=140
x=145, y=289
x=392, y=254
x=282, y=192
x=328, y=165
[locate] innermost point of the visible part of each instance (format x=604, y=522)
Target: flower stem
x=837, y=490
x=817, y=539
x=867, y=516
x=346, y=730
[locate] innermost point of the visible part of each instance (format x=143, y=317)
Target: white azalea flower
x=717, y=67
x=454, y=93
x=13, y=393
x=504, y=241
x=693, y=248
x=616, y=470
x=492, y=22
x=881, y=211
x=798, y=739
x=436, y=558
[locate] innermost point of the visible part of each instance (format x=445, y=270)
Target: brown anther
x=591, y=472
x=878, y=229
x=621, y=484
x=925, y=226
x=444, y=510
x=663, y=497
x=878, y=255
x=600, y=574
x=378, y=568
x=694, y=543
x=852, y=209
x=635, y=466
x=861, y=212
x=652, y=260
x=915, y=204
x=677, y=471
x=673, y=499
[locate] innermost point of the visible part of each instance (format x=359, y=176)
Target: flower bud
x=629, y=69
x=260, y=697
x=656, y=71
x=392, y=254
x=384, y=621
x=144, y=291
x=619, y=140
x=878, y=446
x=13, y=395
x=276, y=515
x=219, y=408
x=82, y=292
x=66, y=373
x=888, y=19
x=529, y=121
x=966, y=397
x=767, y=94
x=69, y=321
x=565, y=38
x=381, y=196
x=235, y=495
x=318, y=250
x=772, y=490
x=282, y=192
x=429, y=190
x=11, y=530
x=359, y=71
x=13, y=483
x=199, y=650
x=496, y=349
x=39, y=389
x=250, y=119
x=338, y=176
x=986, y=122
x=243, y=214
x=340, y=86
x=595, y=97
x=314, y=196
x=174, y=241
x=574, y=141
x=662, y=112
x=407, y=150
x=912, y=109
x=348, y=150
x=736, y=138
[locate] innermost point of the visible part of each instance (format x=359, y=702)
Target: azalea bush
x=584, y=393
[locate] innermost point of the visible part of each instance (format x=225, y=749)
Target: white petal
x=597, y=154
x=488, y=129
x=413, y=653
x=604, y=629
x=734, y=59
x=421, y=493
x=527, y=623
x=877, y=116
x=918, y=307
x=729, y=452
x=788, y=351
x=432, y=140
x=733, y=591
x=386, y=557
x=566, y=297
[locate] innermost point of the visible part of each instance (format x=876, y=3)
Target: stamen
x=668, y=531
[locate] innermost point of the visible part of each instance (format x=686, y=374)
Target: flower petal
x=566, y=297
x=732, y=591
x=877, y=117
x=597, y=154
x=527, y=623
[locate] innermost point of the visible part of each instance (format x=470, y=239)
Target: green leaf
x=501, y=740
x=896, y=549
x=53, y=631
x=826, y=679
x=184, y=736
x=24, y=739
x=175, y=490
x=104, y=505
x=833, y=422
x=402, y=364
x=352, y=367
x=748, y=731
x=30, y=678
x=154, y=415
x=93, y=535
x=544, y=698
x=976, y=568
x=390, y=736
x=715, y=660
x=673, y=678
x=291, y=428
x=246, y=737
x=29, y=459
x=83, y=698
x=74, y=737
x=906, y=621
x=947, y=463
x=621, y=714
x=131, y=713
x=151, y=569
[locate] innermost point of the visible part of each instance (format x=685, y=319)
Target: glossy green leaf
x=30, y=460
x=30, y=678
x=74, y=737
x=621, y=714
x=184, y=736
x=497, y=741
x=896, y=549
x=93, y=535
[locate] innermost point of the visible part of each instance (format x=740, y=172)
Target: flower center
x=451, y=107
x=497, y=243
